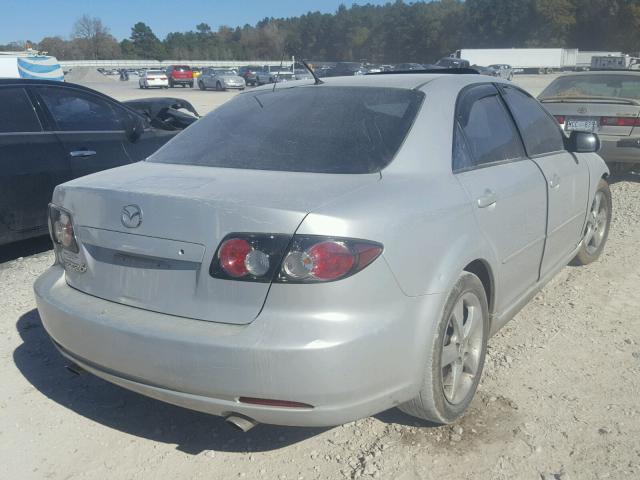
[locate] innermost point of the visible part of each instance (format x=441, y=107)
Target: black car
x=52, y=132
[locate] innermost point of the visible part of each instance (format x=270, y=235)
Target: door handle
x=489, y=198
x=83, y=153
x=555, y=181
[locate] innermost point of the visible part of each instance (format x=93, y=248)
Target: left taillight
x=281, y=259
x=61, y=228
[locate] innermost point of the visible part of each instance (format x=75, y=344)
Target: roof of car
x=389, y=80
x=603, y=72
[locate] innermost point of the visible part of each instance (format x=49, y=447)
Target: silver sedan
x=606, y=102
x=220, y=79
x=318, y=252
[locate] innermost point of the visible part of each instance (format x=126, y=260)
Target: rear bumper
x=181, y=81
x=620, y=149
x=347, y=363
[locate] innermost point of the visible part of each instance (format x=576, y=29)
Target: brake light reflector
x=331, y=260
x=61, y=229
x=560, y=119
x=313, y=259
x=233, y=254
x=620, y=121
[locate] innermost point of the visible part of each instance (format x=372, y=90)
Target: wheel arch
x=481, y=269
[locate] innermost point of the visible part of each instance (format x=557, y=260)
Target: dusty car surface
x=607, y=103
x=52, y=132
x=310, y=254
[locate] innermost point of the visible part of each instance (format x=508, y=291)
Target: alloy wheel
x=462, y=348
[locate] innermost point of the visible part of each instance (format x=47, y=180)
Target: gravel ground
x=558, y=400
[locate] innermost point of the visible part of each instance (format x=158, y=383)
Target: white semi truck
x=531, y=60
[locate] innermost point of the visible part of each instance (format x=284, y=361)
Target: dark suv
x=180, y=75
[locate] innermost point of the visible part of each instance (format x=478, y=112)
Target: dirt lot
x=559, y=397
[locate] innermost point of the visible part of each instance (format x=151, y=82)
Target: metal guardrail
x=69, y=64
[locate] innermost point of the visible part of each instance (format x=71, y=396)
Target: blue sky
x=35, y=19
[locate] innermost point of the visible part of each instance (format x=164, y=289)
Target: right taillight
x=560, y=119
x=303, y=259
x=61, y=228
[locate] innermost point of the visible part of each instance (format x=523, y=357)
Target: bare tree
x=92, y=38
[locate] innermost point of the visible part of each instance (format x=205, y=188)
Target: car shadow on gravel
x=626, y=177
x=117, y=408
x=24, y=248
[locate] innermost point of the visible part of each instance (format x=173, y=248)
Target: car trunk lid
x=162, y=264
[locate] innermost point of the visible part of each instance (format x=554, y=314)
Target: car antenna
x=279, y=69
x=315, y=75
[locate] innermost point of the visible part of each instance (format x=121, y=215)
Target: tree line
x=391, y=33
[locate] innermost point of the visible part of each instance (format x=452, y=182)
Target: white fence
x=108, y=64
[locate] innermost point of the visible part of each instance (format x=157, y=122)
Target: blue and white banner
x=35, y=67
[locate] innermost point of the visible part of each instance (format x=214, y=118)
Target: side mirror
x=583, y=142
x=135, y=128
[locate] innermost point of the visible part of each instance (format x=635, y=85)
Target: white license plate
x=581, y=125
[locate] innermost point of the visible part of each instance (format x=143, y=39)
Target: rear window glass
x=580, y=86
x=182, y=68
x=305, y=129
x=18, y=114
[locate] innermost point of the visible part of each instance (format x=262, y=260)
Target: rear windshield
x=155, y=72
x=319, y=129
x=182, y=68
x=580, y=86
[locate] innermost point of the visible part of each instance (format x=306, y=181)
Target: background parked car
x=153, y=78
x=409, y=66
x=451, y=62
x=273, y=75
x=249, y=73
x=180, y=75
x=503, y=71
x=607, y=103
x=220, y=79
x=51, y=132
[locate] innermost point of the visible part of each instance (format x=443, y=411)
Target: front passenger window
x=73, y=110
x=490, y=134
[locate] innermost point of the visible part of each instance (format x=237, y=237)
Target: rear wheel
x=201, y=86
x=456, y=354
x=597, y=227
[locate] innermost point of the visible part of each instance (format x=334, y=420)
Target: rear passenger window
x=18, y=113
x=490, y=134
x=540, y=132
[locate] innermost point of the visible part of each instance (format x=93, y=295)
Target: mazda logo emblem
x=131, y=216
x=582, y=110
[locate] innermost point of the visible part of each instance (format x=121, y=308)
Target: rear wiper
x=618, y=100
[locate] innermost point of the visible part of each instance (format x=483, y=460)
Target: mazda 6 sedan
x=322, y=251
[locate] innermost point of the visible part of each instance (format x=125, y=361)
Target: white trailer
x=584, y=58
x=539, y=60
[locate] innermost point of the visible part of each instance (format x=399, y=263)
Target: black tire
x=140, y=85
x=191, y=85
x=201, y=86
x=218, y=86
x=596, y=230
x=432, y=403
x=171, y=85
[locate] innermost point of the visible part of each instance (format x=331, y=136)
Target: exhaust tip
x=75, y=369
x=240, y=422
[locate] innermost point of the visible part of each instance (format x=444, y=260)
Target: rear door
x=507, y=190
x=90, y=128
x=567, y=177
x=32, y=163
